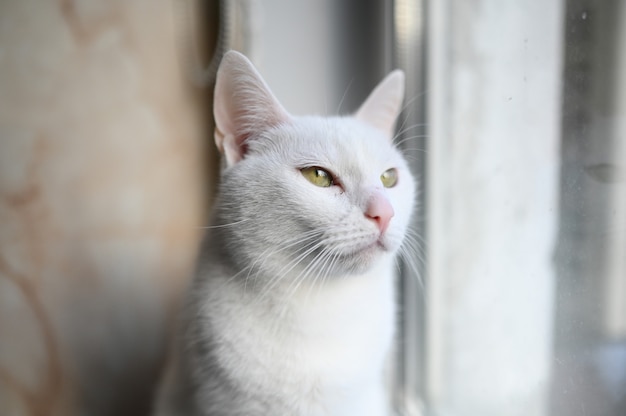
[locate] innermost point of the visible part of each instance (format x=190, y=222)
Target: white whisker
x=209, y=227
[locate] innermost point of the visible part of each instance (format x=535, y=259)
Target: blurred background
x=515, y=123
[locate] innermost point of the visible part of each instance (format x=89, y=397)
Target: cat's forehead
x=340, y=143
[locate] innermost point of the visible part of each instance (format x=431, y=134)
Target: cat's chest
x=324, y=348
x=349, y=320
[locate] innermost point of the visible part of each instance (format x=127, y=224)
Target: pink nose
x=379, y=210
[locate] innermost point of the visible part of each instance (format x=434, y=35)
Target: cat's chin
x=364, y=258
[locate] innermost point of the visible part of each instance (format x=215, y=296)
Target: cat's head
x=308, y=196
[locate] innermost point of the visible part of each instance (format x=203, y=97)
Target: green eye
x=318, y=176
x=389, y=178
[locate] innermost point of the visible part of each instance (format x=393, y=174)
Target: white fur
x=322, y=352
x=269, y=330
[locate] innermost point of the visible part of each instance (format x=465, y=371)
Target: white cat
x=292, y=308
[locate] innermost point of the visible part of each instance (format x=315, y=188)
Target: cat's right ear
x=243, y=106
x=382, y=107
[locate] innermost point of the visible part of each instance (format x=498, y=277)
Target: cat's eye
x=318, y=176
x=389, y=178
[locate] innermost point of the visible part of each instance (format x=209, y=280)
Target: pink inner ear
x=243, y=106
x=379, y=210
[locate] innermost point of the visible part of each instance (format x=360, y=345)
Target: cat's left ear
x=382, y=107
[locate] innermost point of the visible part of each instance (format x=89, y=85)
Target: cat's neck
x=367, y=298
x=350, y=289
x=321, y=320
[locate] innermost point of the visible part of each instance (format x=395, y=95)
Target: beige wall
x=103, y=145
